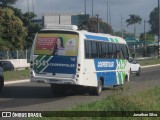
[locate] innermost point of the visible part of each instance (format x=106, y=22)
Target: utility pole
x=145, y=52
x=33, y=6
x=158, y=31
x=85, y=7
x=28, y=5
x=97, y=23
x=122, y=26
x=107, y=13
x=33, y=9
x=92, y=8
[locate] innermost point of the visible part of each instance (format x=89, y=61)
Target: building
x=64, y=19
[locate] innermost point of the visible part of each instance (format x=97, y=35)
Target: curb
x=17, y=81
x=150, y=66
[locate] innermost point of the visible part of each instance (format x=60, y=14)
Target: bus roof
x=103, y=37
x=87, y=35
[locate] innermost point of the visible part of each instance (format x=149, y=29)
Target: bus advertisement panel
x=56, y=44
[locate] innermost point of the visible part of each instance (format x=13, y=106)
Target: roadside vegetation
x=16, y=75
x=143, y=101
x=148, y=62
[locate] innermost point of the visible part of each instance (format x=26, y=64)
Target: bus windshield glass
x=57, y=43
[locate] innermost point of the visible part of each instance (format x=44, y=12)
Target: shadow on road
x=34, y=92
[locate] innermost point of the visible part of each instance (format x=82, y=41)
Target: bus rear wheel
x=96, y=90
x=57, y=89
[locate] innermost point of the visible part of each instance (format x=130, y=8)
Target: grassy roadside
x=143, y=101
x=148, y=62
x=16, y=75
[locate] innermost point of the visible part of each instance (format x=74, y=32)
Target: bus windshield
x=56, y=43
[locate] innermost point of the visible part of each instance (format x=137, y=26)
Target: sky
x=118, y=8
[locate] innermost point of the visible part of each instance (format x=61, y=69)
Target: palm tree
x=133, y=20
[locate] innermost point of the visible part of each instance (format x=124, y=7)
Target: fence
x=136, y=52
x=15, y=54
x=150, y=51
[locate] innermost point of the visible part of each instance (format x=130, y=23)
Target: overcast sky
x=117, y=7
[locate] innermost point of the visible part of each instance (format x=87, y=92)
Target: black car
x=1, y=79
x=6, y=65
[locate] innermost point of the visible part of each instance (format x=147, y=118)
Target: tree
x=149, y=37
x=154, y=21
x=5, y=3
x=91, y=26
x=28, y=23
x=12, y=30
x=32, y=28
x=133, y=20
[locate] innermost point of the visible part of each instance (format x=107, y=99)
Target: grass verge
x=148, y=62
x=144, y=101
x=16, y=75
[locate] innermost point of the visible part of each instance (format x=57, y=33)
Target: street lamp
x=28, y=5
x=97, y=23
x=92, y=8
x=145, y=52
x=158, y=31
x=33, y=9
x=85, y=7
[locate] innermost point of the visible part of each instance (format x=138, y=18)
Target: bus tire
x=96, y=90
x=57, y=89
x=125, y=80
x=139, y=72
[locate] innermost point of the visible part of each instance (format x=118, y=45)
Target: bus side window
x=125, y=52
x=88, y=51
x=103, y=50
x=99, y=47
x=94, y=50
x=118, y=56
x=106, y=50
x=110, y=52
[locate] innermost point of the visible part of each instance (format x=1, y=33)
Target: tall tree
x=31, y=27
x=92, y=25
x=27, y=19
x=154, y=21
x=12, y=30
x=133, y=20
x=5, y=3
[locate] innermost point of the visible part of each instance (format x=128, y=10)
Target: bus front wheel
x=96, y=90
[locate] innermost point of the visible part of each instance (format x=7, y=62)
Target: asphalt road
x=38, y=97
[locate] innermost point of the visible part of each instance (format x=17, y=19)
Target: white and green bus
x=65, y=56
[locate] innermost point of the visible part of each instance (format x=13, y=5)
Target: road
x=38, y=97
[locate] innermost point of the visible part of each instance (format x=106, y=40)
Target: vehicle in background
x=6, y=65
x=1, y=79
x=135, y=67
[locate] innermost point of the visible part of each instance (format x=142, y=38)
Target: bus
x=64, y=56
